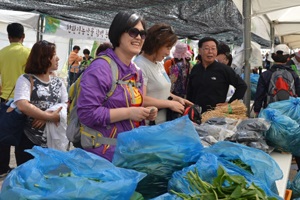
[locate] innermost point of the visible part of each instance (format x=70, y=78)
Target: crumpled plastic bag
x=290, y=108
x=158, y=151
x=220, y=154
x=77, y=174
x=284, y=133
x=250, y=132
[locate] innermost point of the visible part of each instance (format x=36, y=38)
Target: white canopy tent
x=275, y=18
x=268, y=19
x=30, y=22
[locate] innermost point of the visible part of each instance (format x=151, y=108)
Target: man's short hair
x=207, y=39
x=15, y=30
x=76, y=47
x=86, y=51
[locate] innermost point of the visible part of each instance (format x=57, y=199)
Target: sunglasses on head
x=170, y=29
x=134, y=32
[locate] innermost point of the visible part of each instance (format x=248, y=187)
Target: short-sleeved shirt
x=43, y=95
x=157, y=82
x=12, y=64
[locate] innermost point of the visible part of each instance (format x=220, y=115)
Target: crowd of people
x=147, y=83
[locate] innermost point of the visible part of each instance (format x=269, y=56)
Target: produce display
x=224, y=187
x=234, y=110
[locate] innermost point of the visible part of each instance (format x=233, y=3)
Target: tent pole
x=70, y=45
x=40, y=27
x=272, y=33
x=247, y=49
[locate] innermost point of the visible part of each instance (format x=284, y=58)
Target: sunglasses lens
x=143, y=34
x=133, y=32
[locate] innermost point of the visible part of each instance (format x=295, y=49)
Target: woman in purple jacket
x=123, y=110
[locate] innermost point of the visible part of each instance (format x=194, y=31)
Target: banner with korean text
x=73, y=30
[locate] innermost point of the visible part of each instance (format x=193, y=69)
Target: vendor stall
x=284, y=161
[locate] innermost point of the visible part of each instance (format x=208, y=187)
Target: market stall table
x=284, y=161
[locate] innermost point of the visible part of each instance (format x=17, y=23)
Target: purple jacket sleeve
x=95, y=83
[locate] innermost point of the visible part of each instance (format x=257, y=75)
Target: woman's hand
x=176, y=106
x=138, y=113
x=37, y=123
x=153, y=113
x=54, y=116
x=185, y=102
x=181, y=100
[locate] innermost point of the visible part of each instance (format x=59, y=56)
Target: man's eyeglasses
x=207, y=49
x=134, y=32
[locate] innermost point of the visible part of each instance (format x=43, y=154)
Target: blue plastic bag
x=158, y=151
x=258, y=160
x=290, y=108
x=284, y=133
x=253, y=81
x=77, y=174
x=215, y=156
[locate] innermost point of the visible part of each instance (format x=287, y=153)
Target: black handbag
x=11, y=125
x=194, y=113
x=12, y=122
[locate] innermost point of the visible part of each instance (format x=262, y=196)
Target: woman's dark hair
x=229, y=58
x=39, y=59
x=86, y=51
x=122, y=22
x=207, y=39
x=223, y=48
x=103, y=47
x=159, y=35
x=279, y=57
x=198, y=57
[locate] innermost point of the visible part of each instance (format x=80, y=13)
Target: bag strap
x=31, y=87
x=115, y=75
x=70, y=66
x=10, y=94
x=31, y=84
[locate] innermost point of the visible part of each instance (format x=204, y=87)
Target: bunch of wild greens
x=223, y=187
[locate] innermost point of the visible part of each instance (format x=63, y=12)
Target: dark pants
x=4, y=158
x=4, y=154
x=72, y=77
x=21, y=155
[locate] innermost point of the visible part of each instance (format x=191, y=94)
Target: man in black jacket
x=280, y=57
x=209, y=80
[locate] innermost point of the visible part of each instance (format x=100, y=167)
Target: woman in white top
x=46, y=91
x=157, y=85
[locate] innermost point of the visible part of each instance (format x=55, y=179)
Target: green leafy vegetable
x=223, y=187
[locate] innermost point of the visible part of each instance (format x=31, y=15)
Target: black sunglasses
x=134, y=32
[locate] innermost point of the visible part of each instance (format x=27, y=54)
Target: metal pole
x=247, y=49
x=38, y=29
x=272, y=33
x=42, y=27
